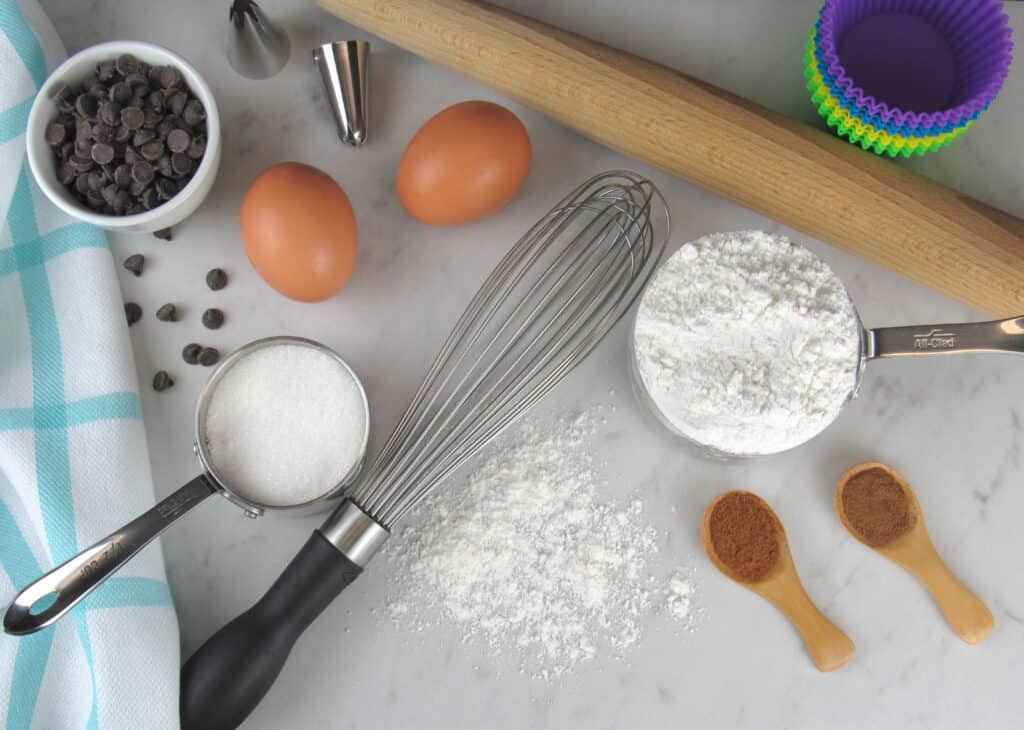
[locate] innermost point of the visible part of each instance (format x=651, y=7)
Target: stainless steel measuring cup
x=1004, y=335
x=57, y=592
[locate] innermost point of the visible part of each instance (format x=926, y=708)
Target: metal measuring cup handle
x=75, y=579
x=1002, y=335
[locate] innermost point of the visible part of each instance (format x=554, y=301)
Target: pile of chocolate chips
x=129, y=138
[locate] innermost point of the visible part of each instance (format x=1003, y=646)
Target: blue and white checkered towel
x=73, y=459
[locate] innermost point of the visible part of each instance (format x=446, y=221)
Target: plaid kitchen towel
x=73, y=459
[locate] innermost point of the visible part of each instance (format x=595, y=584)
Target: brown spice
x=876, y=507
x=744, y=534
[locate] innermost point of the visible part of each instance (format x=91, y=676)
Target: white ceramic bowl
x=42, y=160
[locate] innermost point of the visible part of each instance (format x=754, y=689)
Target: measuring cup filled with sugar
x=747, y=344
x=281, y=426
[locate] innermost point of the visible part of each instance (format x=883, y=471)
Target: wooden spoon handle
x=829, y=647
x=970, y=618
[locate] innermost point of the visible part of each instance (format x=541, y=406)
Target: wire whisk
x=542, y=310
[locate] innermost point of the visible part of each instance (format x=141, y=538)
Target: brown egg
x=300, y=231
x=463, y=164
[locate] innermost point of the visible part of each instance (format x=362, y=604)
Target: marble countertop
x=953, y=426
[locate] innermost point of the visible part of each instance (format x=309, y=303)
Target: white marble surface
x=954, y=426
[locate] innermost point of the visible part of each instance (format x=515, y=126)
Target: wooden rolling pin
x=803, y=177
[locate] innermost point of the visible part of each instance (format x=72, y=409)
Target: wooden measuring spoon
x=912, y=549
x=829, y=647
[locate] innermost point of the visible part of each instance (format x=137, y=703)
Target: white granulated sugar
x=527, y=557
x=285, y=425
x=746, y=343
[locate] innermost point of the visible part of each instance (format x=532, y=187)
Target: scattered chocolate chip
x=135, y=263
x=208, y=356
x=164, y=234
x=162, y=381
x=133, y=312
x=191, y=353
x=213, y=318
x=167, y=313
x=216, y=279
x=56, y=134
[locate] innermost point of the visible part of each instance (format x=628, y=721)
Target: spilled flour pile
x=527, y=557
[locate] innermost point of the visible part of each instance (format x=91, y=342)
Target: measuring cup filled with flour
x=748, y=344
x=282, y=425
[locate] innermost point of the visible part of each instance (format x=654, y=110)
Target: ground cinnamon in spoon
x=876, y=507
x=744, y=534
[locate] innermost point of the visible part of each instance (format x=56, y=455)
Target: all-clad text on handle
x=1003, y=335
x=47, y=599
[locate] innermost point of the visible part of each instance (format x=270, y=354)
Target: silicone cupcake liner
x=860, y=132
x=967, y=45
x=822, y=92
x=865, y=113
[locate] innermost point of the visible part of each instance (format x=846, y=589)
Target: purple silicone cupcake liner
x=917, y=63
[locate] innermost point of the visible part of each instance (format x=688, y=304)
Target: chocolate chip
x=65, y=174
x=132, y=117
x=143, y=136
x=156, y=100
x=95, y=182
x=135, y=263
x=167, y=313
x=166, y=188
x=109, y=112
x=82, y=184
x=138, y=84
x=197, y=148
x=87, y=105
x=131, y=155
x=102, y=153
x=90, y=81
x=191, y=353
x=216, y=279
x=55, y=134
x=177, y=140
x=142, y=172
x=105, y=71
x=132, y=312
x=162, y=381
x=122, y=175
x=164, y=234
x=208, y=356
x=213, y=318
x=149, y=199
x=194, y=113
x=136, y=188
x=123, y=133
x=152, y=151
x=169, y=77
x=120, y=92
x=121, y=200
x=102, y=132
x=109, y=193
x=181, y=163
x=163, y=166
x=175, y=104
x=127, y=63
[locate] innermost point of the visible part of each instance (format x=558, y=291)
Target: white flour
x=527, y=557
x=746, y=342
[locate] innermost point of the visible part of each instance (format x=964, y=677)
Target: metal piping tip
x=342, y=67
x=257, y=47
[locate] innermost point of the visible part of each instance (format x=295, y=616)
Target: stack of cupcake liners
x=906, y=77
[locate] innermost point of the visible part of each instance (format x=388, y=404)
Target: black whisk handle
x=228, y=675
